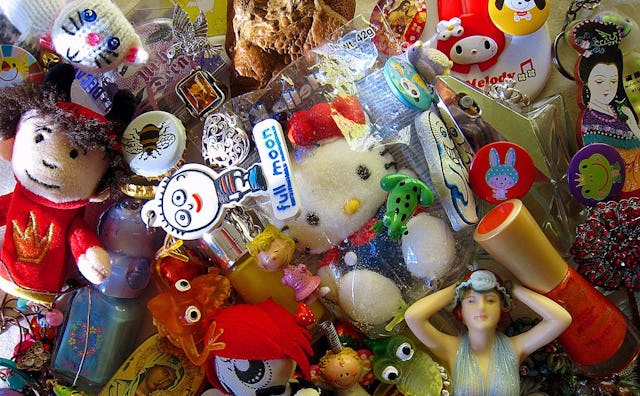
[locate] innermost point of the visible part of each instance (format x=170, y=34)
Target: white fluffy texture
x=94, y=265
x=32, y=18
x=326, y=180
x=428, y=248
x=72, y=32
x=368, y=297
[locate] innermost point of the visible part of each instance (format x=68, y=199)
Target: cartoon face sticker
x=500, y=171
x=17, y=65
x=448, y=173
x=518, y=17
x=406, y=84
x=189, y=203
x=596, y=173
x=95, y=36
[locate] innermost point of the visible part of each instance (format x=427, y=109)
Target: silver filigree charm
x=224, y=143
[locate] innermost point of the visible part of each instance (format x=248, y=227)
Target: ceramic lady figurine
x=484, y=361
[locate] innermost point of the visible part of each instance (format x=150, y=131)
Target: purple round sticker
x=596, y=173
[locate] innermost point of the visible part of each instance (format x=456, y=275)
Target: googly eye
x=404, y=351
x=192, y=314
x=390, y=374
x=113, y=43
x=89, y=15
x=182, y=285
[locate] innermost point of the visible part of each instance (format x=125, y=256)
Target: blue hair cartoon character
x=501, y=176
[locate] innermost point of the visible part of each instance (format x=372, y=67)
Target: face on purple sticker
x=596, y=173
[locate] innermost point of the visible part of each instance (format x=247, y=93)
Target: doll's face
x=247, y=377
x=95, y=36
x=47, y=164
x=277, y=255
x=342, y=372
x=481, y=310
x=603, y=83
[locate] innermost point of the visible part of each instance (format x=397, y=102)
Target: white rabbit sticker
x=501, y=177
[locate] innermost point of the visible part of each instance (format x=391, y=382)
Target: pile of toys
x=317, y=197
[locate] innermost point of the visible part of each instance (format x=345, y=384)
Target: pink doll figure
x=62, y=159
x=501, y=176
x=256, y=351
x=95, y=36
x=482, y=360
x=274, y=251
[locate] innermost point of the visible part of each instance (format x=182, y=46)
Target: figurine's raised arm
x=555, y=319
x=442, y=345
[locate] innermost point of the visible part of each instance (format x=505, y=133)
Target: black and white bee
x=148, y=141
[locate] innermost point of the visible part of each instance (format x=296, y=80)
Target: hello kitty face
x=339, y=193
x=96, y=37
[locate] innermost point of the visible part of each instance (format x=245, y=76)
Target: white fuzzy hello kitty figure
x=340, y=195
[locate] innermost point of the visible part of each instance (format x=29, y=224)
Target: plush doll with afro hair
x=63, y=157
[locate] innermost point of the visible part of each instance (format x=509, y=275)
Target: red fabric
x=59, y=230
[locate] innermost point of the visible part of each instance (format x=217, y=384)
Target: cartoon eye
x=38, y=138
x=192, y=314
x=410, y=88
x=179, y=198
x=113, y=43
x=487, y=44
x=250, y=372
x=89, y=15
x=183, y=218
x=390, y=374
x=73, y=153
x=363, y=172
x=444, y=35
x=182, y=285
x=404, y=351
x=458, y=49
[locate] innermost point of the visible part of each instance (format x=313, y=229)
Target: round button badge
x=406, y=84
x=501, y=171
x=154, y=143
x=596, y=173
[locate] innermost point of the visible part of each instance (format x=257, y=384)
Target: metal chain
x=575, y=7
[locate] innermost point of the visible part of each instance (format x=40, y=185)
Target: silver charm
x=224, y=143
x=191, y=37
